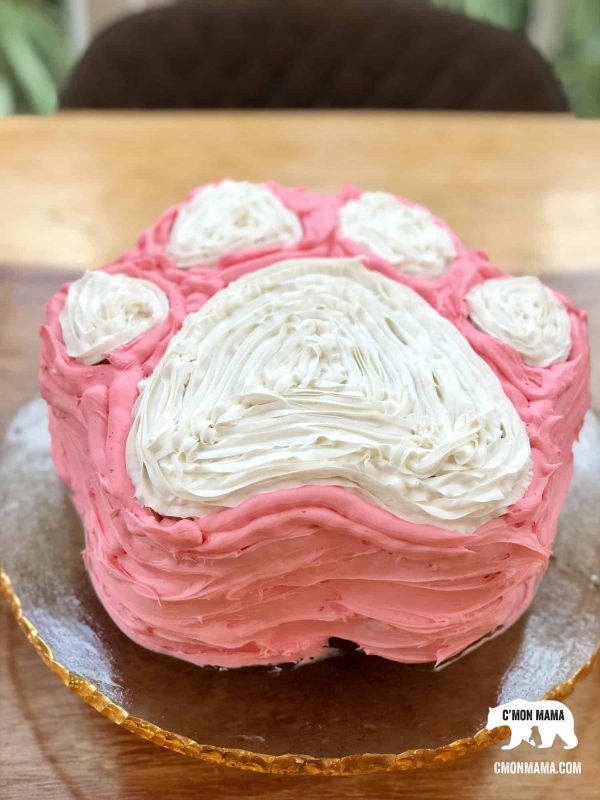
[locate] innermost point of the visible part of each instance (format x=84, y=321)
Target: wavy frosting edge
x=247, y=585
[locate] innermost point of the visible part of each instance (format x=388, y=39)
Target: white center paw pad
x=324, y=372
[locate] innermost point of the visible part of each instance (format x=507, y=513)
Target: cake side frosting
x=273, y=577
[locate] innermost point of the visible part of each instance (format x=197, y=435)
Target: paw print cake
x=288, y=417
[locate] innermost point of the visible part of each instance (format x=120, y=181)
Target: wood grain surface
x=77, y=189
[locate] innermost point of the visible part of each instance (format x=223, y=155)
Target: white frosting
x=524, y=313
x=103, y=312
x=407, y=236
x=227, y=217
x=320, y=371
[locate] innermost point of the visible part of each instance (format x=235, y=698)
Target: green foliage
x=35, y=51
x=578, y=62
x=578, y=65
x=509, y=13
x=35, y=55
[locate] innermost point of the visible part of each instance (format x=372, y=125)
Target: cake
x=288, y=419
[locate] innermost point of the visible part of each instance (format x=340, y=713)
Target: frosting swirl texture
x=320, y=371
x=405, y=235
x=525, y=314
x=103, y=312
x=229, y=217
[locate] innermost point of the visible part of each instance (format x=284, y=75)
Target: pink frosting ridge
x=271, y=580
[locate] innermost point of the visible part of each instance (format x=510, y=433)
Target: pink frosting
x=272, y=579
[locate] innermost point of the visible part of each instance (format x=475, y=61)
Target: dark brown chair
x=310, y=54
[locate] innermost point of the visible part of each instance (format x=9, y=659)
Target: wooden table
x=78, y=188
x=75, y=191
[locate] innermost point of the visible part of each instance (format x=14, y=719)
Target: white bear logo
x=521, y=716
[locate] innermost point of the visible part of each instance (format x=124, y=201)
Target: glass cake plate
x=346, y=715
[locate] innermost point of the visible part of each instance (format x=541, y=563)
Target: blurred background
x=41, y=40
